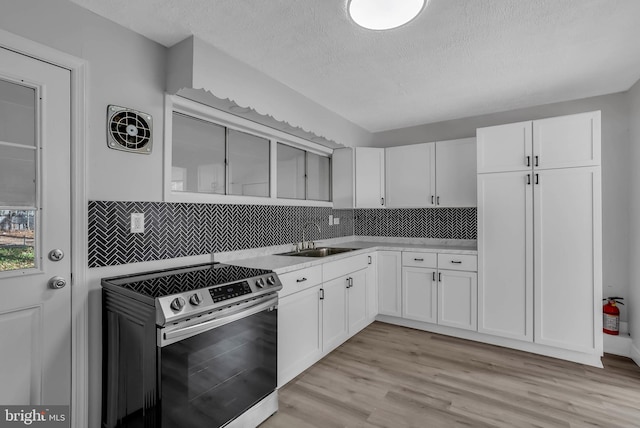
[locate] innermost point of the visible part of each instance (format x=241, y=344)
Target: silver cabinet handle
x=301, y=280
x=369, y=260
x=537, y=179
x=528, y=160
x=437, y=200
x=457, y=262
x=419, y=260
x=382, y=201
x=528, y=179
x=433, y=277
x=322, y=294
x=536, y=162
x=432, y=199
x=439, y=276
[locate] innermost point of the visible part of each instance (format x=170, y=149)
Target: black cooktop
x=171, y=281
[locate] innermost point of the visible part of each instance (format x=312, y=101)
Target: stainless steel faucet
x=310, y=244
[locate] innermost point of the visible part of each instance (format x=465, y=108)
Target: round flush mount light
x=384, y=14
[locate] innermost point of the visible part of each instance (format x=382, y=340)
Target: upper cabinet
x=560, y=142
x=456, y=173
x=410, y=175
x=358, y=178
x=441, y=174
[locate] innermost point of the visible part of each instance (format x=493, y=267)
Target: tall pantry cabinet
x=539, y=232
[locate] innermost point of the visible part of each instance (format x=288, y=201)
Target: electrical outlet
x=336, y=220
x=330, y=220
x=137, y=222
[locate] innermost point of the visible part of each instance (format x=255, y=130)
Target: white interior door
x=35, y=319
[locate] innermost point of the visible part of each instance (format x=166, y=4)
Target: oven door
x=214, y=371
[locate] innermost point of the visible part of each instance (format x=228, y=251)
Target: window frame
x=178, y=104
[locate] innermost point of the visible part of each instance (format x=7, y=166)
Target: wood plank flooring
x=391, y=376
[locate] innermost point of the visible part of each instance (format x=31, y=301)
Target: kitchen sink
x=318, y=252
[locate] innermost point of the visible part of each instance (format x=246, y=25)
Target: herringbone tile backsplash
x=187, y=229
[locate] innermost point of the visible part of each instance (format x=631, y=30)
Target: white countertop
x=284, y=264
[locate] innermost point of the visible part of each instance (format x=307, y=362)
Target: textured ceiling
x=459, y=58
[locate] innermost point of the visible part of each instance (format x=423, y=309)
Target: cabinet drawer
x=299, y=280
x=344, y=266
x=417, y=259
x=466, y=262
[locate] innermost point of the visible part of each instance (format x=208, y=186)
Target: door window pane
x=318, y=177
x=291, y=170
x=18, y=176
x=17, y=239
x=17, y=114
x=248, y=164
x=198, y=156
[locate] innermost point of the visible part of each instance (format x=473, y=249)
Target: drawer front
x=417, y=259
x=299, y=280
x=343, y=267
x=468, y=262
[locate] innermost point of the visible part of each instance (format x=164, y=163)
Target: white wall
x=634, y=230
x=616, y=169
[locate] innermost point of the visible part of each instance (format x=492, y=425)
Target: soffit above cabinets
x=200, y=72
x=458, y=58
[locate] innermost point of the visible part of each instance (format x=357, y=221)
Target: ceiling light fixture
x=384, y=14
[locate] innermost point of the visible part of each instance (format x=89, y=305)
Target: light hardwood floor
x=391, y=376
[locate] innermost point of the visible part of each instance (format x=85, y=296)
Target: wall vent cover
x=129, y=130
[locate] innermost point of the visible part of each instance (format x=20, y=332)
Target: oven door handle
x=169, y=337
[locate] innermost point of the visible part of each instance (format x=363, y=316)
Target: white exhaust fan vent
x=129, y=130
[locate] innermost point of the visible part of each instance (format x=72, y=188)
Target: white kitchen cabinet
x=505, y=255
x=357, y=302
x=410, y=175
x=540, y=237
x=504, y=148
x=369, y=177
x=567, y=141
x=567, y=218
x=358, y=178
x=334, y=313
x=457, y=299
x=455, y=178
x=372, y=285
x=299, y=333
x=390, y=283
x=419, y=294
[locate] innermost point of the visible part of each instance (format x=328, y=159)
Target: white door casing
x=34, y=318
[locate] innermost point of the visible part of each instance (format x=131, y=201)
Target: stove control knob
x=271, y=280
x=195, y=299
x=260, y=282
x=177, y=304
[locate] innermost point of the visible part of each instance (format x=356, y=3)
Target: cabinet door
x=389, y=283
x=567, y=141
x=458, y=299
x=504, y=148
x=410, y=176
x=505, y=255
x=568, y=257
x=372, y=286
x=456, y=173
x=299, y=333
x=369, y=166
x=419, y=294
x=334, y=313
x=342, y=175
x=357, y=302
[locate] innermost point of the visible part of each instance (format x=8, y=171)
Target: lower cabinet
x=316, y=315
x=458, y=299
x=390, y=283
x=440, y=289
x=299, y=332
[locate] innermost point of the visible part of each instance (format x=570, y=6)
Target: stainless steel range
x=189, y=347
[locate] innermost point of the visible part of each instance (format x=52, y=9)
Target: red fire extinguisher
x=611, y=315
